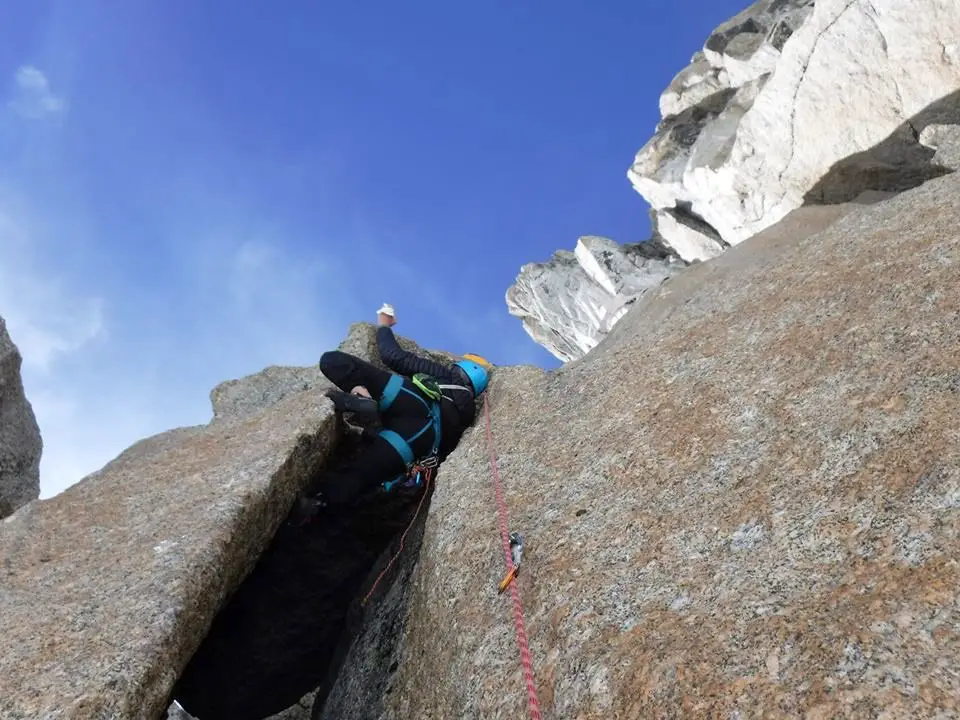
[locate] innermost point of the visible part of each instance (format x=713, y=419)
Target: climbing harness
x=427, y=477
x=411, y=476
x=508, y=554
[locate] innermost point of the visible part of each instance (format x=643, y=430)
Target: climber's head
x=477, y=370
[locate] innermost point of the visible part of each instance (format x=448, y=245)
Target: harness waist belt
x=399, y=443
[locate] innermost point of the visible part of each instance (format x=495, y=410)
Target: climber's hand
x=339, y=397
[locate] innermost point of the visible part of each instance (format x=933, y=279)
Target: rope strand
x=427, y=475
x=521, y=631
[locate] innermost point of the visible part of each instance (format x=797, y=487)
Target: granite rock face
x=278, y=644
x=945, y=141
x=248, y=395
x=794, y=102
x=109, y=587
x=20, y=442
x=744, y=502
x=789, y=103
x=370, y=655
x=569, y=303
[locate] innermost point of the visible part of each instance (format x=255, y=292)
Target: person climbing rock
x=423, y=408
x=461, y=382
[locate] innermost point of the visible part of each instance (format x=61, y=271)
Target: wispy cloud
x=53, y=324
x=33, y=97
x=49, y=319
x=96, y=392
x=113, y=354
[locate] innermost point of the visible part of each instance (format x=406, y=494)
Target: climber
x=462, y=381
x=416, y=427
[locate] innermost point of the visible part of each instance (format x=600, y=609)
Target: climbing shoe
x=364, y=410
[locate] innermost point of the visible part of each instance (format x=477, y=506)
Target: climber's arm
x=406, y=363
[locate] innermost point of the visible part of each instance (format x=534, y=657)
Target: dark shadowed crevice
x=684, y=214
x=369, y=652
x=685, y=127
x=896, y=164
x=718, y=41
x=286, y=629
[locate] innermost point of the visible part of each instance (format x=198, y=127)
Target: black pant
x=380, y=461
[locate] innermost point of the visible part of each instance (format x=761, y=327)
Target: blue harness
x=400, y=444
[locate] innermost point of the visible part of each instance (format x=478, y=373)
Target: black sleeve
x=406, y=363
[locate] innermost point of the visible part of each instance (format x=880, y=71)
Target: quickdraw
x=516, y=552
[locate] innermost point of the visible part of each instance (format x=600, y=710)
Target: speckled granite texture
x=107, y=588
x=20, y=443
x=744, y=503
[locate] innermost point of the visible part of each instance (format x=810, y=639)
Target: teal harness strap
x=402, y=445
x=390, y=392
x=435, y=416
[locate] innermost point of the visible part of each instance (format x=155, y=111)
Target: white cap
x=387, y=309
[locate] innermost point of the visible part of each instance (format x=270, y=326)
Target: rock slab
x=108, y=588
x=792, y=102
x=944, y=140
x=20, y=442
x=745, y=502
x=569, y=303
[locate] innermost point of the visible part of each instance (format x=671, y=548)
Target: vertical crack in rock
x=278, y=643
x=796, y=93
x=284, y=631
x=873, y=16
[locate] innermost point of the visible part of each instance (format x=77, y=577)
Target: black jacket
x=457, y=408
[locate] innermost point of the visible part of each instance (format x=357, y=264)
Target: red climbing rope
x=427, y=476
x=524, y=645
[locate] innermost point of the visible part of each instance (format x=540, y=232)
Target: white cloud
x=47, y=318
x=49, y=322
x=34, y=98
x=226, y=308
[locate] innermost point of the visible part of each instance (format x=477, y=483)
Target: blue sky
x=190, y=191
